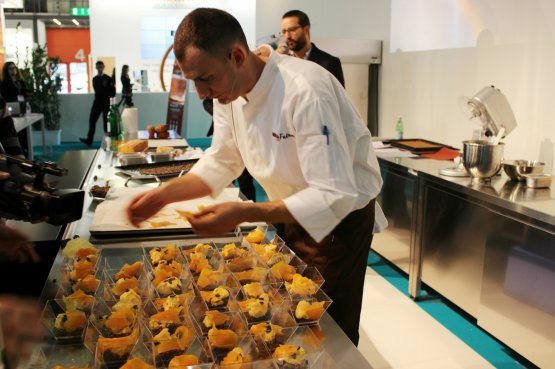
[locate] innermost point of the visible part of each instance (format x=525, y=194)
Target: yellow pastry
x=214, y=318
x=253, y=289
x=255, y=236
x=222, y=338
x=309, y=310
x=266, y=331
x=301, y=286
x=290, y=354
x=78, y=300
x=136, y=363
x=183, y=361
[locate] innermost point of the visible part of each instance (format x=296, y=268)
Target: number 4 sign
x=80, y=55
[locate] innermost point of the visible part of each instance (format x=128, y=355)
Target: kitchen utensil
x=516, y=169
x=538, y=180
x=493, y=109
x=482, y=160
x=158, y=157
x=132, y=158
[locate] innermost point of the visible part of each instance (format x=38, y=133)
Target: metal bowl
x=517, y=169
x=482, y=159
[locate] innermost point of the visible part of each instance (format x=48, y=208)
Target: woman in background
x=13, y=88
x=126, y=91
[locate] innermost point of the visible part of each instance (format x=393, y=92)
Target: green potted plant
x=39, y=74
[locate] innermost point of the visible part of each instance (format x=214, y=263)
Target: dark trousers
x=246, y=185
x=341, y=257
x=96, y=110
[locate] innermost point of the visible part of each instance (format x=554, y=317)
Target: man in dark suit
x=295, y=29
x=104, y=88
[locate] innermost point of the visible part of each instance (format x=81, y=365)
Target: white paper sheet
x=111, y=215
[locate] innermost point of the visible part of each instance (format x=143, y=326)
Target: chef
x=291, y=124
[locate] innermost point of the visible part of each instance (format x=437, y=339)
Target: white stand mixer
x=498, y=120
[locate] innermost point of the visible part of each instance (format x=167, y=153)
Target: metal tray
x=418, y=145
x=139, y=171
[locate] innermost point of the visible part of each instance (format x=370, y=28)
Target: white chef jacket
x=302, y=139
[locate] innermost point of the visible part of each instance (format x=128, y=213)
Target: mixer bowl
x=517, y=169
x=482, y=159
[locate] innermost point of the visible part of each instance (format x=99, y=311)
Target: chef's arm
x=184, y=188
x=221, y=218
x=149, y=203
x=269, y=212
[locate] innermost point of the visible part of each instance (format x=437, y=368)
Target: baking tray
x=110, y=217
x=418, y=145
x=138, y=171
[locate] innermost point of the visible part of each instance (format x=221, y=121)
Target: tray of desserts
x=158, y=169
x=188, y=304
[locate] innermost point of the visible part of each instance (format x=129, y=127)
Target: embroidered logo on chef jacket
x=281, y=136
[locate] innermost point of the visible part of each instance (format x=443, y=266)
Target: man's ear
x=238, y=56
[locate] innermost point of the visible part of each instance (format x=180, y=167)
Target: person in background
x=127, y=86
x=13, y=89
x=9, y=142
x=245, y=180
x=295, y=29
x=104, y=88
x=291, y=124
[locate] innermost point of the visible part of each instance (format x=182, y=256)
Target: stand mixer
x=498, y=120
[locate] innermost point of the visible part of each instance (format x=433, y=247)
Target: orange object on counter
x=442, y=154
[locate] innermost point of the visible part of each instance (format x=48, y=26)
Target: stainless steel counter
x=536, y=204
x=334, y=341
x=488, y=249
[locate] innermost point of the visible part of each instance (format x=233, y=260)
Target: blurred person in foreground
x=295, y=29
x=290, y=123
x=104, y=88
x=20, y=326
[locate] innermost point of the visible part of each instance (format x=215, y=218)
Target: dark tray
x=418, y=145
x=142, y=232
x=138, y=170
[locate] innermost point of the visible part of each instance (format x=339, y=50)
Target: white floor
x=397, y=334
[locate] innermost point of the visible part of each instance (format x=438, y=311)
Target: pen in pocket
x=326, y=132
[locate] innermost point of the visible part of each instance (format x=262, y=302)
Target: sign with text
x=176, y=100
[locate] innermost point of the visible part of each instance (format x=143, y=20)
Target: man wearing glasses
x=295, y=29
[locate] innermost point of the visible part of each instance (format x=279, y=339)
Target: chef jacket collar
x=265, y=80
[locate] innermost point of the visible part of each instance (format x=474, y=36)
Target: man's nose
x=202, y=91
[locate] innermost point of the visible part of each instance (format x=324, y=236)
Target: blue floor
x=485, y=345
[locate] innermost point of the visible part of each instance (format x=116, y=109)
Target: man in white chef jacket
x=290, y=123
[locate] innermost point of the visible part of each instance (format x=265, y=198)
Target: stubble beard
x=230, y=97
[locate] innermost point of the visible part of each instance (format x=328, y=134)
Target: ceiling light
x=75, y=21
x=56, y=21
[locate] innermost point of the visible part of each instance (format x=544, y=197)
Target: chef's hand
x=21, y=328
x=217, y=219
x=16, y=246
x=145, y=205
